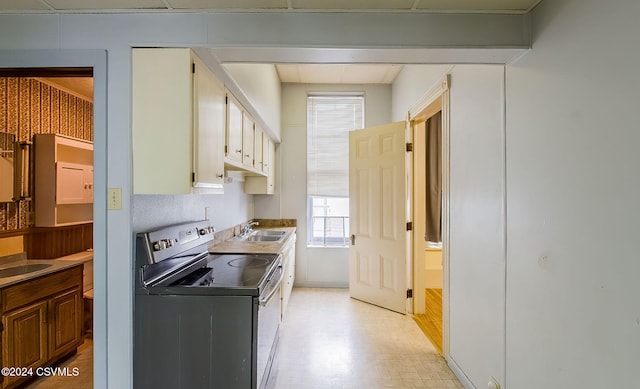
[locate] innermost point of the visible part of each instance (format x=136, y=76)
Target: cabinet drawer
x=38, y=288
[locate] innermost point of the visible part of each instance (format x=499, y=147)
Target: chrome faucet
x=246, y=229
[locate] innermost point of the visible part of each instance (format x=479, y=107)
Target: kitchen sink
x=260, y=236
x=269, y=233
x=22, y=269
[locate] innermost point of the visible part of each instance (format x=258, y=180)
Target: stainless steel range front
x=203, y=320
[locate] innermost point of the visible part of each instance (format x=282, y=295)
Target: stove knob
x=203, y=231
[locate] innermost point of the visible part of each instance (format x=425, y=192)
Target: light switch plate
x=114, y=198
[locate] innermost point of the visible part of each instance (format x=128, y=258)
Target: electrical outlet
x=114, y=198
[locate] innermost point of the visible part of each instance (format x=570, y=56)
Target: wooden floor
x=431, y=321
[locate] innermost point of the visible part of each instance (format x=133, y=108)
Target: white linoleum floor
x=328, y=340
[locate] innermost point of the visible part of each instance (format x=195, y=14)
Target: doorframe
x=420, y=110
x=96, y=59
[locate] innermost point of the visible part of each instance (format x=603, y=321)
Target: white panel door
x=377, y=216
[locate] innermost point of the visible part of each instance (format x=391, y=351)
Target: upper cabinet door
x=209, y=113
x=74, y=183
x=248, y=129
x=234, y=130
x=258, y=150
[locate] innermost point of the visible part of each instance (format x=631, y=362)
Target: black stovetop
x=240, y=270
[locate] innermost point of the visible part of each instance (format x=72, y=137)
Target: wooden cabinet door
x=248, y=129
x=65, y=322
x=24, y=338
x=208, y=159
x=234, y=130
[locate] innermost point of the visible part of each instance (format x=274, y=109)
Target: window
x=329, y=120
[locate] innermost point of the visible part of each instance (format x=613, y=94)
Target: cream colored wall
x=11, y=245
x=433, y=268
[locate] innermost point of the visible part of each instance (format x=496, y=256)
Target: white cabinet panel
x=234, y=130
x=178, y=123
x=74, y=183
x=63, y=180
x=248, y=131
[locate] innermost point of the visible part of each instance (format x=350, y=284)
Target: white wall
x=412, y=84
x=261, y=84
x=225, y=210
x=316, y=266
x=477, y=214
x=477, y=219
x=573, y=290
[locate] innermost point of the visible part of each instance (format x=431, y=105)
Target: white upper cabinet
x=63, y=180
x=259, y=184
x=178, y=123
x=234, y=130
x=258, y=152
x=209, y=113
x=248, y=132
x=245, y=141
x=74, y=183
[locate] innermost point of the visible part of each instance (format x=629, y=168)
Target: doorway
x=429, y=127
x=33, y=67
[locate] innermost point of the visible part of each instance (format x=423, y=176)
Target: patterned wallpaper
x=29, y=107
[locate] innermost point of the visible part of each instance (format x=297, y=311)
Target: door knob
x=353, y=240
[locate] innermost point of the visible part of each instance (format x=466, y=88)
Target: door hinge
x=409, y=293
x=226, y=99
x=193, y=68
x=409, y=226
x=409, y=147
x=226, y=149
x=193, y=176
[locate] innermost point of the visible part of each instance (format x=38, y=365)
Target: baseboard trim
x=315, y=284
x=464, y=380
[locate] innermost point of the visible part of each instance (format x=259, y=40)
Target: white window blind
x=329, y=120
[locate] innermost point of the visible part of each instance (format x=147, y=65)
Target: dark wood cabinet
x=24, y=339
x=41, y=321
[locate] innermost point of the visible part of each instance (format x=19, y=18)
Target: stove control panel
x=168, y=242
x=206, y=230
x=184, y=236
x=163, y=244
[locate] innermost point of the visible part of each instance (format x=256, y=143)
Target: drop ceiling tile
x=228, y=4
x=353, y=4
x=288, y=73
x=362, y=74
x=22, y=5
x=106, y=4
x=321, y=74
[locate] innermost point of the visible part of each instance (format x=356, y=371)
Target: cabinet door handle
x=239, y=151
x=220, y=175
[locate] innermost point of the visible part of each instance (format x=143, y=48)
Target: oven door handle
x=263, y=301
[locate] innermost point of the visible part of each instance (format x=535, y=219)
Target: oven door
x=268, y=323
